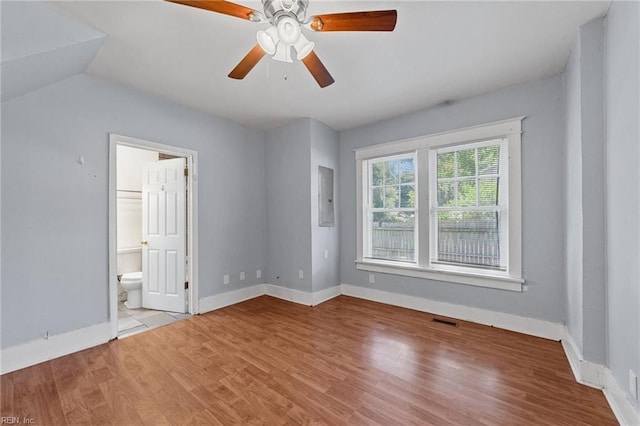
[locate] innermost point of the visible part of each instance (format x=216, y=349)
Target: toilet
x=132, y=284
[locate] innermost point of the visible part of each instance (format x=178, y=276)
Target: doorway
x=152, y=234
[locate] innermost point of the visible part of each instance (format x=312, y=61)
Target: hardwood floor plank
x=345, y=362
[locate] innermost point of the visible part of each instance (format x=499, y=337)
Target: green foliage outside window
x=467, y=178
x=393, y=187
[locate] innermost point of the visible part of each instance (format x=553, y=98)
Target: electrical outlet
x=326, y=254
x=225, y=279
x=300, y=274
x=259, y=273
x=633, y=385
x=241, y=276
x=372, y=278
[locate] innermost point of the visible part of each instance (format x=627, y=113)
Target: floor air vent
x=445, y=322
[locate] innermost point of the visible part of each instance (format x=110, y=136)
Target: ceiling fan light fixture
x=288, y=30
x=303, y=47
x=283, y=53
x=268, y=40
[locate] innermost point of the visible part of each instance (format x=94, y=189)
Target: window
x=444, y=207
x=468, y=200
x=392, y=208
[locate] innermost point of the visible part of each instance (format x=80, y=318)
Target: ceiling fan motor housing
x=275, y=9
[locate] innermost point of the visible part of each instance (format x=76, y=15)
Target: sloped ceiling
x=40, y=47
x=440, y=51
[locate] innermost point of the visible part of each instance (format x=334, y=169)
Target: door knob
x=144, y=242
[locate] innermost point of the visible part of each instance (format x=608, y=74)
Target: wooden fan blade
x=379, y=20
x=247, y=63
x=317, y=69
x=220, y=6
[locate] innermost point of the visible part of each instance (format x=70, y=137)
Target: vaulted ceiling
x=439, y=52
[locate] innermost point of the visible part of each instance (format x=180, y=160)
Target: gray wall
x=324, y=152
x=573, y=194
x=288, y=182
x=294, y=240
x=54, y=211
x=585, y=252
x=623, y=180
x=542, y=188
x=593, y=196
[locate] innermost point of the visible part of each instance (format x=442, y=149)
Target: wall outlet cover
x=241, y=276
x=372, y=278
x=300, y=274
x=259, y=273
x=225, y=279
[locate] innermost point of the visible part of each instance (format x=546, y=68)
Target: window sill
x=489, y=281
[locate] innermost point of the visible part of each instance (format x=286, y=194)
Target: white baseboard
x=531, y=326
x=586, y=372
x=218, y=301
x=222, y=300
x=303, y=297
x=622, y=407
x=326, y=294
x=285, y=293
x=37, y=351
x=600, y=377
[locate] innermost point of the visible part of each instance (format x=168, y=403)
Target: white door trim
x=192, y=219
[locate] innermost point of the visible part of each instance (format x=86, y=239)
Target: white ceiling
x=439, y=51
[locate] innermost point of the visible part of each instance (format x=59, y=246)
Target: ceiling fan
x=286, y=19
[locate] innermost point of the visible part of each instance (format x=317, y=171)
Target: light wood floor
x=347, y=361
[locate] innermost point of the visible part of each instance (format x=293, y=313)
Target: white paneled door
x=164, y=235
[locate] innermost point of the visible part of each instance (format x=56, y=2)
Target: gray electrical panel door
x=325, y=197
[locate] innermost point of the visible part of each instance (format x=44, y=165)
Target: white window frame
x=510, y=276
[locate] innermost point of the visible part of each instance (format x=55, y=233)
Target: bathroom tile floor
x=134, y=321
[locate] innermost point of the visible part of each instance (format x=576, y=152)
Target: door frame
x=192, y=219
